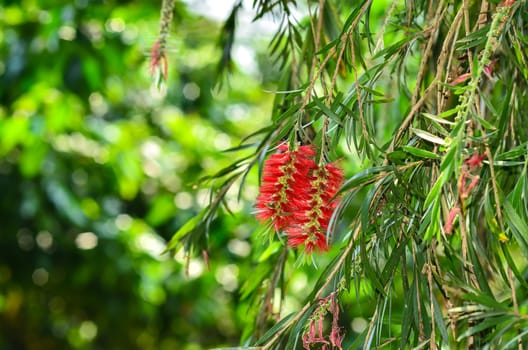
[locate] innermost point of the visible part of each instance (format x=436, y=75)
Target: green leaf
x=485, y=324
x=397, y=157
x=474, y=39
x=520, y=336
x=439, y=320
x=187, y=228
x=258, y=275
x=485, y=301
x=327, y=111
x=437, y=119
x=435, y=191
x=421, y=153
x=514, y=153
x=428, y=136
x=394, y=262
x=273, y=248
x=517, y=225
x=364, y=177
x=284, y=322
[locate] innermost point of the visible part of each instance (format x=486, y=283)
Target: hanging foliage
x=428, y=99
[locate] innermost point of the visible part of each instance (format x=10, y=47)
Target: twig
x=425, y=57
x=451, y=37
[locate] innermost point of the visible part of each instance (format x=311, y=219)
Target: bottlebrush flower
x=313, y=217
x=297, y=196
x=286, y=176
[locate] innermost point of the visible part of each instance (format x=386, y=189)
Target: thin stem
x=267, y=299
x=427, y=52
x=441, y=68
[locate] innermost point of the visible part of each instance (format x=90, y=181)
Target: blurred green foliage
x=97, y=168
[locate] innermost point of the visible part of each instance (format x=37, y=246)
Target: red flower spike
x=297, y=196
x=334, y=179
x=314, y=217
x=311, y=238
x=285, y=175
x=336, y=338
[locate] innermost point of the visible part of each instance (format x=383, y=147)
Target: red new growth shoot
x=448, y=228
x=158, y=60
x=475, y=160
x=461, y=79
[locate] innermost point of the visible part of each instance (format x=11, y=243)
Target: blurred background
x=97, y=172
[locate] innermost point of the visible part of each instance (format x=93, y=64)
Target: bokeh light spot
x=239, y=247
x=227, y=276
x=359, y=324
x=183, y=200
x=123, y=222
x=25, y=239
x=191, y=91
x=222, y=142
x=152, y=244
x=88, y=330
x=98, y=104
x=44, y=240
x=67, y=33
x=116, y=25
x=86, y=240
x=195, y=268
x=40, y=276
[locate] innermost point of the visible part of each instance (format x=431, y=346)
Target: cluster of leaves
x=415, y=95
